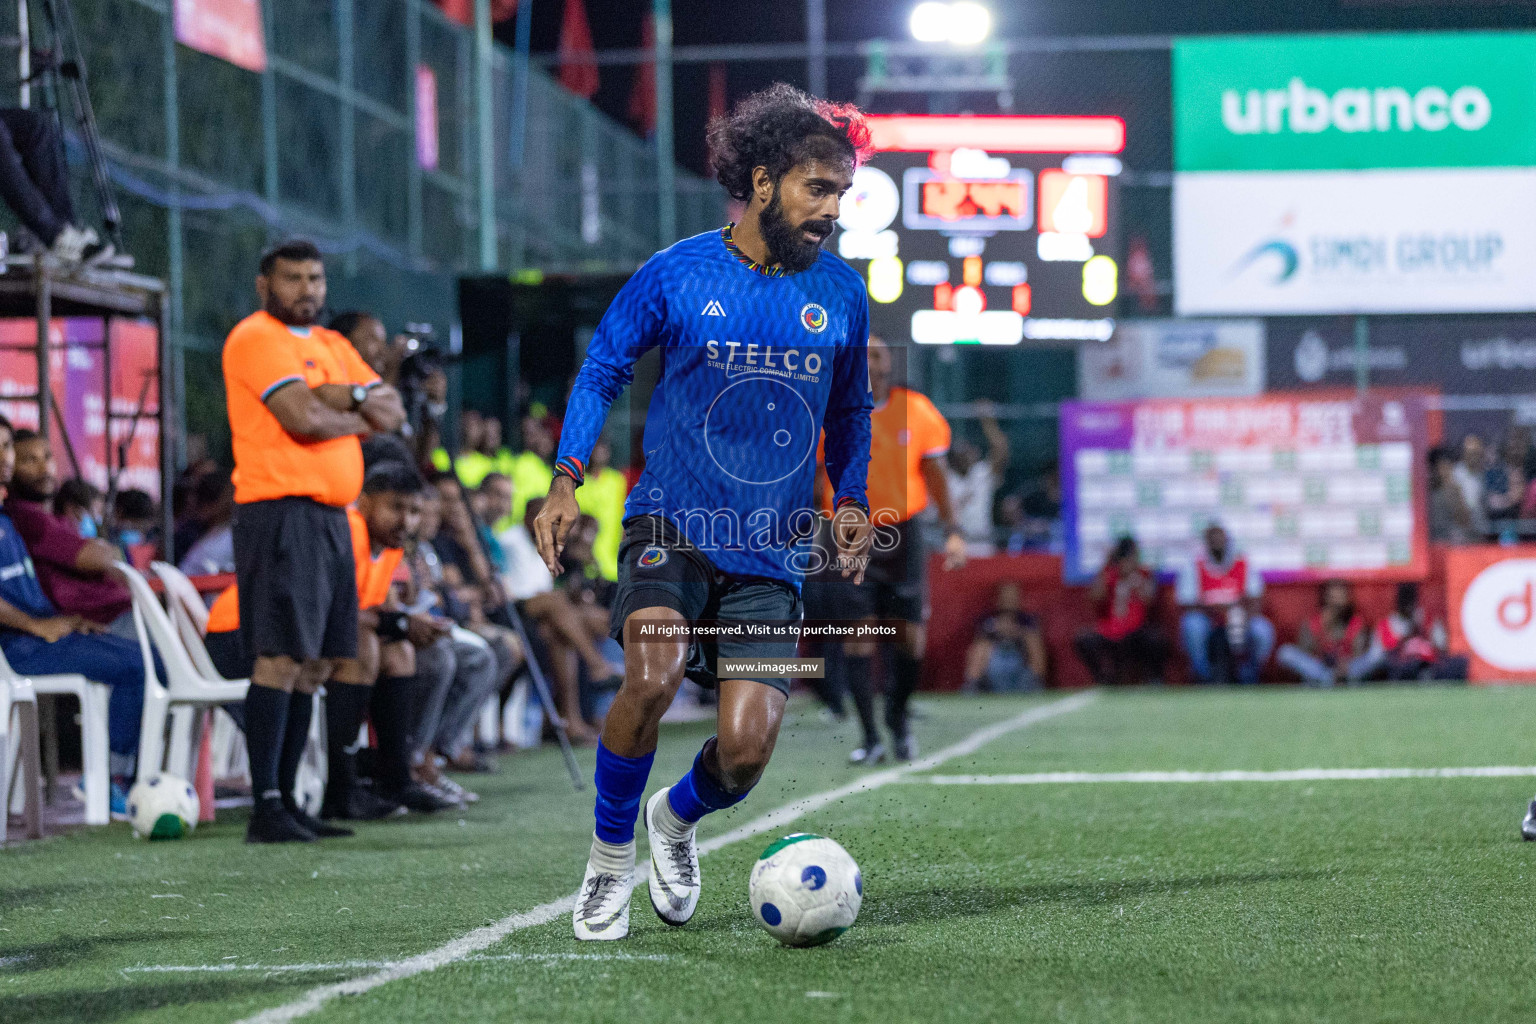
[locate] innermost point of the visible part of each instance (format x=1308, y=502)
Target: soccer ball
x=163, y=807
x=805, y=890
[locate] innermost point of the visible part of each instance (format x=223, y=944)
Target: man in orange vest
x=909, y=439
x=299, y=398
x=385, y=516
x=1223, y=632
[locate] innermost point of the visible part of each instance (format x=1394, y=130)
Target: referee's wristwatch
x=359, y=396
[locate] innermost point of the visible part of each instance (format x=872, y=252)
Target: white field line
x=481, y=938
x=1291, y=775
x=360, y=965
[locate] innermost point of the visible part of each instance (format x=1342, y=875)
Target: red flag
x=1140, y=274
x=642, y=95
x=463, y=11
x=578, y=71
x=717, y=100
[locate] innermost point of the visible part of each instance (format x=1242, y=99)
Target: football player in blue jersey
x=763, y=339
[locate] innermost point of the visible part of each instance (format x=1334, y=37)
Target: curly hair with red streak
x=780, y=128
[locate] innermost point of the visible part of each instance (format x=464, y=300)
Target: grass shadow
x=116, y=1002
x=942, y=903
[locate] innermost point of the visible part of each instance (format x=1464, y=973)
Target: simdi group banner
x=1309, y=487
x=1382, y=173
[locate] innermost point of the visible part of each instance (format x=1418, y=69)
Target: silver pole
x=816, y=46
x=666, y=185
x=485, y=150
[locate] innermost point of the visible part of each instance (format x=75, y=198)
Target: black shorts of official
x=660, y=568
x=229, y=655
x=895, y=581
x=298, y=582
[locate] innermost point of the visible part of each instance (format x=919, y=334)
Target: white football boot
x=602, y=905
x=674, y=882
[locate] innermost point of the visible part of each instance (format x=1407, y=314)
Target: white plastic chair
x=95, y=756
x=183, y=691
x=20, y=757
x=189, y=613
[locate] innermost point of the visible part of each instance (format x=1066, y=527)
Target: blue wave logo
x=1290, y=259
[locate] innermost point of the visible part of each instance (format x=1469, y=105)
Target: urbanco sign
x=1385, y=173
x=1355, y=102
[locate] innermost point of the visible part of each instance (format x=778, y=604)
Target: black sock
x=301, y=708
x=830, y=687
x=856, y=672
x=345, y=704
x=393, y=705
x=904, y=679
x=266, y=716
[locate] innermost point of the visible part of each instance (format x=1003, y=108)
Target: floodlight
x=930, y=22
x=969, y=23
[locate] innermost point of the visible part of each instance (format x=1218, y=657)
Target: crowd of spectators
x=1480, y=493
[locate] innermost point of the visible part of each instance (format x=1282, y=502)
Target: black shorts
x=895, y=582
x=298, y=583
x=228, y=654
x=658, y=567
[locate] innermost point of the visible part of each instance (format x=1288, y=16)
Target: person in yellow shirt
x=532, y=469
x=602, y=497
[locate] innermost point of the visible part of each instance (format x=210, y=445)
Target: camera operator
x=423, y=385
x=412, y=365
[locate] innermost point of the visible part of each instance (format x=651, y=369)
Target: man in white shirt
x=973, y=483
x=1469, y=474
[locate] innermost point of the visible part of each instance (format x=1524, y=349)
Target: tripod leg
x=536, y=673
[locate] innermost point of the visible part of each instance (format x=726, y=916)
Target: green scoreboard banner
x=1355, y=173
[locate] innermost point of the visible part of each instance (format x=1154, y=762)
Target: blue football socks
x=698, y=792
x=620, y=783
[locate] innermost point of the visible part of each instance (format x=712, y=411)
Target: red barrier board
x=1491, y=594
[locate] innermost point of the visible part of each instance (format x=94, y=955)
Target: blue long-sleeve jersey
x=752, y=367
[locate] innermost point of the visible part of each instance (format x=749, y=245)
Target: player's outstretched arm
x=554, y=521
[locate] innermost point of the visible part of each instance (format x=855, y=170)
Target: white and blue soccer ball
x=162, y=807
x=805, y=890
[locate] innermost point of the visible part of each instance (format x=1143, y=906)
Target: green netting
x=323, y=144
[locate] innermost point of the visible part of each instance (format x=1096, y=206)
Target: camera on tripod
x=423, y=381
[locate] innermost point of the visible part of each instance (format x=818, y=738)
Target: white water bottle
x=1237, y=628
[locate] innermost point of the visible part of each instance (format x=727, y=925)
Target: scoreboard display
x=987, y=230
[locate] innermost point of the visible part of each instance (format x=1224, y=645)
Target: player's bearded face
x=788, y=244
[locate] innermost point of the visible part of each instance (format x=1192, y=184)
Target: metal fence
x=212, y=163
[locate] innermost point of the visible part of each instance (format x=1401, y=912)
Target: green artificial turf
x=1381, y=900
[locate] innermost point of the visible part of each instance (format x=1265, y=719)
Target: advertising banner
x=1464, y=355
x=1491, y=600
x=78, y=370
x=1174, y=359
x=1310, y=488
x=1391, y=173
x=228, y=29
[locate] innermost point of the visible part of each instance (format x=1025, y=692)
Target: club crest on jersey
x=813, y=318
x=653, y=556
